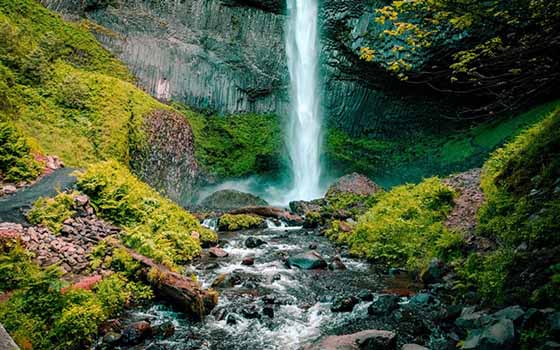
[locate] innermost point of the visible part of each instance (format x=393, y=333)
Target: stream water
x=269, y=305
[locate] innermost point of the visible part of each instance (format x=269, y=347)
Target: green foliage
x=52, y=212
x=230, y=222
x=237, y=145
x=15, y=266
x=40, y=315
x=405, y=225
x=349, y=203
x=153, y=225
x=16, y=160
x=521, y=184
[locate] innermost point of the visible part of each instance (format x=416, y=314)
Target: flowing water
x=269, y=305
x=304, y=129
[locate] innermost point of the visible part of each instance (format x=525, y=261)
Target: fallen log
x=270, y=212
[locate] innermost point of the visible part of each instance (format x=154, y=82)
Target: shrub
x=52, y=212
x=229, y=222
x=16, y=267
x=404, y=226
x=16, y=161
x=153, y=225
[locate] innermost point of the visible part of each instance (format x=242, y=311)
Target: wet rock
x=413, y=347
x=217, y=252
x=248, y=261
x=225, y=200
x=384, y=305
x=470, y=318
x=365, y=295
x=434, y=272
x=112, y=338
x=254, y=242
x=422, y=299
x=344, y=304
x=337, y=264
x=227, y=280
x=136, y=332
x=268, y=311
x=370, y=340
x=271, y=212
x=304, y=207
x=250, y=312
x=231, y=319
x=514, y=313
x=353, y=183
x=554, y=323
x=312, y=246
x=307, y=261
x=500, y=335
x=164, y=330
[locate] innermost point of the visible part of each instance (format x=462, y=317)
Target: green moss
x=404, y=226
x=238, y=145
x=153, y=225
x=40, y=314
x=348, y=203
x=52, y=212
x=392, y=160
x=16, y=160
x=230, y=222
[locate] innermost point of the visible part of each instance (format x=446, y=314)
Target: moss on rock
x=231, y=222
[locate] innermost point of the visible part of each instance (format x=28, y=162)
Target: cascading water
x=304, y=130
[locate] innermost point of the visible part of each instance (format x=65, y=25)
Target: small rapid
x=268, y=305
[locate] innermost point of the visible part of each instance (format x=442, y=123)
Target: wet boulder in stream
x=254, y=242
x=369, y=339
x=344, y=304
x=307, y=261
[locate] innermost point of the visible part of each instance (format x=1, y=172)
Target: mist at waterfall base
x=303, y=129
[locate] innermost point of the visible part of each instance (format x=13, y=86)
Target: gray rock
x=353, y=183
x=225, y=200
x=470, y=319
x=500, y=335
x=307, y=261
x=254, y=242
x=369, y=339
x=434, y=272
x=413, y=347
x=384, y=305
x=6, y=342
x=344, y=304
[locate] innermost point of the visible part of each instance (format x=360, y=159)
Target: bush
x=52, y=212
x=229, y=222
x=16, y=161
x=405, y=226
x=39, y=315
x=153, y=225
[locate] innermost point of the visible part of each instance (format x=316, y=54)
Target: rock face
x=225, y=200
x=6, y=342
x=353, y=183
x=229, y=56
x=166, y=161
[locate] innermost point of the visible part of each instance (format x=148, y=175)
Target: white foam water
x=304, y=129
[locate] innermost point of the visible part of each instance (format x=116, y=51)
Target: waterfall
x=304, y=128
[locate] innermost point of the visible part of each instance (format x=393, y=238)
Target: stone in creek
x=165, y=329
x=227, y=280
x=231, y=319
x=268, y=311
x=384, y=305
x=111, y=338
x=307, y=261
x=248, y=261
x=337, y=264
x=9, y=189
x=366, y=295
x=250, y=312
x=313, y=246
x=136, y=332
x=370, y=339
x=344, y=304
x=413, y=347
x=217, y=252
x=254, y=242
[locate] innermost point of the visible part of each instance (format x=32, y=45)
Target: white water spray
x=304, y=129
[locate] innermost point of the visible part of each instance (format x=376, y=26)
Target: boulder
x=344, y=304
x=470, y=319
x=9, y=189
x=500, y=335
x=307, y=261
x=434, y=272
x=225, y=200
x=365, y=295
x=6, y=342
x=366, y=340
x=254, y=242
x=413, y=347
x=270, y=212
x=337, y=264
x=353, y=183
x=248, y=261
x=304, y=207
x=217, y=252
x=384, y=305
x=164, y=330
x=136, y=332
